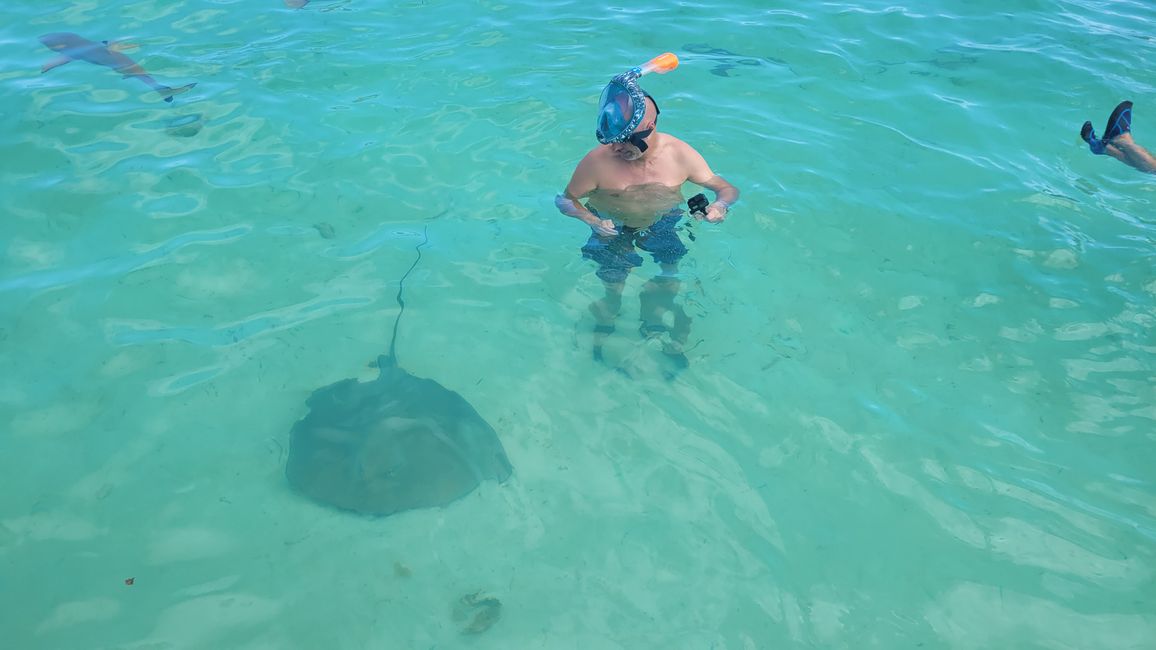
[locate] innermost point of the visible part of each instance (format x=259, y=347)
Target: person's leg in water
x=615, y=257
x=605, y=311
x=1125, y=149
x=657, y=298
x=1117, y=141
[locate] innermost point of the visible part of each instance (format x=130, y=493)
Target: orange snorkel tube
x=621, y=107
x=661, y=64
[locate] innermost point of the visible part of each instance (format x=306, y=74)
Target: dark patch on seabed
x=725, y=60
x=946, y=61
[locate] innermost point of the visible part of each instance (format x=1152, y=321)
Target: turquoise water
x=919, y=411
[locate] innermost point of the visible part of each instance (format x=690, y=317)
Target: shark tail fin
x=168, y=92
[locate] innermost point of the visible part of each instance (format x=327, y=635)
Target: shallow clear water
x=920, y=406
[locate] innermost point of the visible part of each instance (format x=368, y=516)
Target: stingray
x=396, y=443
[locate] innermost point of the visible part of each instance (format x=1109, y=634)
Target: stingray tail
x=392, y=360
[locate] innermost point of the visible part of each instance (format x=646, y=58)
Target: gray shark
x=71, y=47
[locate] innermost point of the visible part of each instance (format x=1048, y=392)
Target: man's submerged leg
x=655, y=301
x=615, y=257
x=658, y=295
x=605, y=310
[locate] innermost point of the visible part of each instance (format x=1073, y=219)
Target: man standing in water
x=633, y=186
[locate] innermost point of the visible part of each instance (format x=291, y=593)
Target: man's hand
x=605, y=227
x=715, y=212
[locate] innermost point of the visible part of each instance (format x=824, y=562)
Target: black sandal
x=604, y=330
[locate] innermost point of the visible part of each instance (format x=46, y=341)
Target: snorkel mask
x=623, y=103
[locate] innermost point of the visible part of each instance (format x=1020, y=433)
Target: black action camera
x=697, y=203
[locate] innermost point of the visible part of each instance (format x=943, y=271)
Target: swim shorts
x=616, y=255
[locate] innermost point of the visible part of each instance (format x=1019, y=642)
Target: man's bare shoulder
x=590, y=172
x=599, y=160
x=598, y=154
x=688, y=160
x=677, y=146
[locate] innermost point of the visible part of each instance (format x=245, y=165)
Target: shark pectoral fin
x=54, y=63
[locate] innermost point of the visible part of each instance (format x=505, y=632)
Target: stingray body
x=396, y=443
x=71, y=47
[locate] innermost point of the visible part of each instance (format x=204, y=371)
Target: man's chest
x=622, y=176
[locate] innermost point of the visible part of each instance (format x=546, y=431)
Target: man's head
x=636, y=144
x=624, y=110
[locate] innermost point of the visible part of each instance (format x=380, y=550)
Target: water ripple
x=122, y=264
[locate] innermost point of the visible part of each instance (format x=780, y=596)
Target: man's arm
x=569, y=203
x=725, y=194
